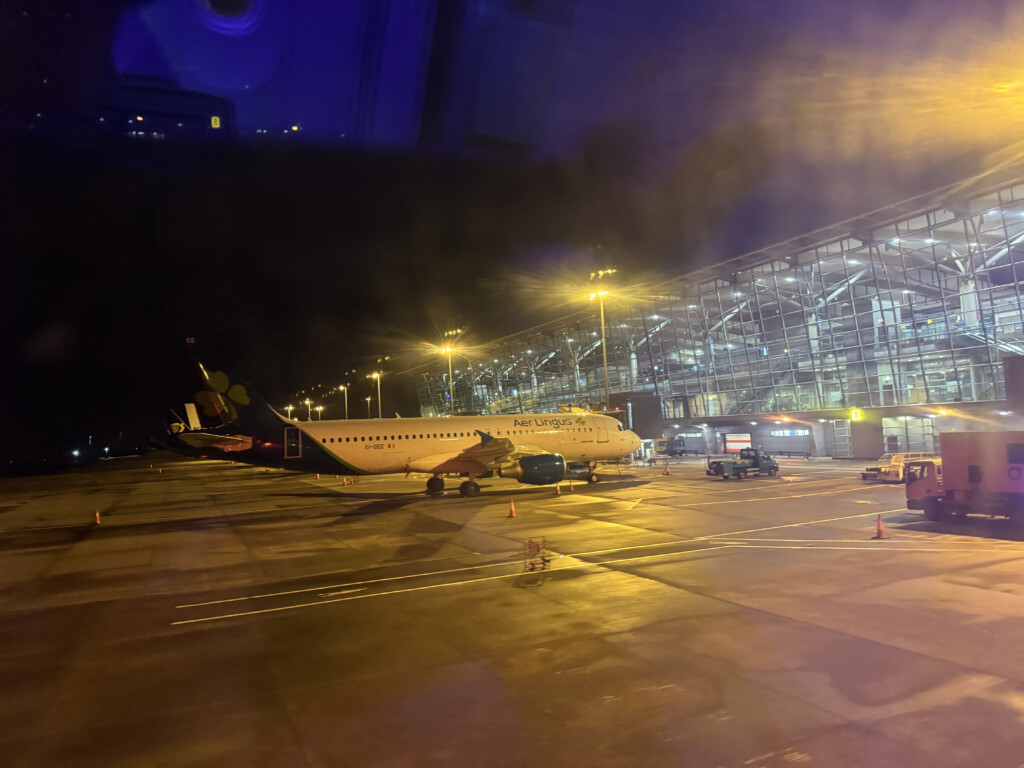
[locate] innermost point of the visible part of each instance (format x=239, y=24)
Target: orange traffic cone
x=880, y=534
x=317, y=475
x=558, y=489
x=511, y=508
x=96, y=518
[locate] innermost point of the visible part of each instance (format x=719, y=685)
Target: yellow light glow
x=215, y=121
x=856, y=414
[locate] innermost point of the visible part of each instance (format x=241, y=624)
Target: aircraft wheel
x=592, y=478
x=435, y=485
x=469, y=488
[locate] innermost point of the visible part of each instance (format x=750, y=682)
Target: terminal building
x=872, y=335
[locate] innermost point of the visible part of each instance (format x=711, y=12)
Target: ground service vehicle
x=751, y=461
x=891, y=466
x=669, y=446
x=978, y=473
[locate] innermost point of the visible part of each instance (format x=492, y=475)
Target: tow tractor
x=751, y=461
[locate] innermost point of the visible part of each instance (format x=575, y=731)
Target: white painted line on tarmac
x=669, y=543
x=583, y=566
x=350, y=584
x=340, y=600
x=747, y=500
x=872, y=544
x=799, y=525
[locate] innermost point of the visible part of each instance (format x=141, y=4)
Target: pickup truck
x=751, y=461
x=891, y=467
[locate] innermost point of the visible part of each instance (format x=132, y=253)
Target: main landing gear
x=435, y=487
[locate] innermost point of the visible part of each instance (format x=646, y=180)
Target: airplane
x=533, y=448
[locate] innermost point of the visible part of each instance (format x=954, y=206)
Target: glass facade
x=911, y=305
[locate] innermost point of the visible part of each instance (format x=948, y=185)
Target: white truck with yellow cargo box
x=891, y=467
x=978, y=473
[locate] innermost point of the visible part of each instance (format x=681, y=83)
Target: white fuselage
x=382, y=446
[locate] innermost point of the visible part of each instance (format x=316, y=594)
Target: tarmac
x=224, y=614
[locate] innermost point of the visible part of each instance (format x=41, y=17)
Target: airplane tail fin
x=234, y=418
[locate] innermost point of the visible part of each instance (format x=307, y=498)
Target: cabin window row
x=437, y=435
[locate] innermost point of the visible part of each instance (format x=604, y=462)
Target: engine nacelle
x=536, y=470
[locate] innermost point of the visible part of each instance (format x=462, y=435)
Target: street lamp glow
x=288, y=409
x=368, y=399
x=309, y=408
x=319, y=413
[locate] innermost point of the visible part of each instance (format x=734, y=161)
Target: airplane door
x=292, y=443
x=602, y=435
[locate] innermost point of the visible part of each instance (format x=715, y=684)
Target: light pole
x=451, y=382
x=599, y=295
x=309, y=407
x=448, y=348
x=319, y=413
x=344, y=389
x=289, y=409
x=376, y=375
x=368, y=399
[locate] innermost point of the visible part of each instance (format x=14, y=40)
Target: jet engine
x=536, y=470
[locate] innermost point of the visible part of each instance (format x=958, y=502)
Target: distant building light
x=139, y=118
x=215, y=121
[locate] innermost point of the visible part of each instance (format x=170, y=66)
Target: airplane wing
x=488, y=454
x=223, y=442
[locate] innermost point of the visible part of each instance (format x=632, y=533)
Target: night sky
x=670, y=137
